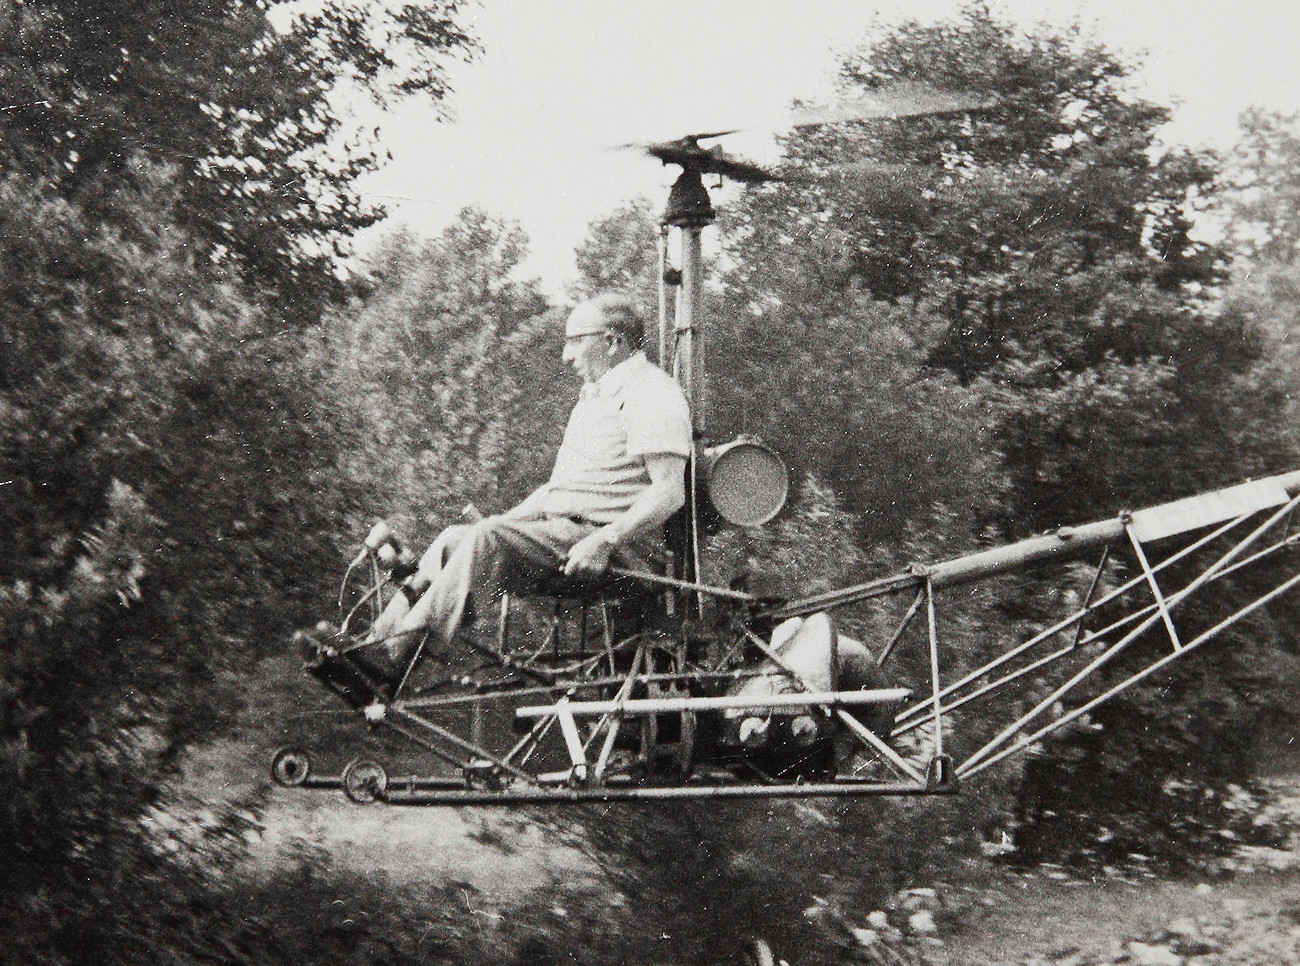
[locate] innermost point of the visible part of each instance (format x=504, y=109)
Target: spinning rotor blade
x=686, y=151
x=904, y=99
x=691, y=142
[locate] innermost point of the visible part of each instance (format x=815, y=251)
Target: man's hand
x=590, y=555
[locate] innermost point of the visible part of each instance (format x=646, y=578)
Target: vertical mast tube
x=664, y=362
x=691, y=335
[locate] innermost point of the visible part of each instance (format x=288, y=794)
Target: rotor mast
x=690, y=211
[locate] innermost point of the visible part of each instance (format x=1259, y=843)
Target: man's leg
x=488, y=557
x=434, y=559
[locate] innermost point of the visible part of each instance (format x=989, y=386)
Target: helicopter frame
x=638, y=717
x=696, y=699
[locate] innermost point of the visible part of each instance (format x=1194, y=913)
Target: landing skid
x=364, y=781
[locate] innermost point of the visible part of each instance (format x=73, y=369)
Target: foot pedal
x=342, y=676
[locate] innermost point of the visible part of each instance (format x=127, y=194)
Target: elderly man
x=619, y=475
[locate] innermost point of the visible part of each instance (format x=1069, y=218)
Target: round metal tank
x=747, y=482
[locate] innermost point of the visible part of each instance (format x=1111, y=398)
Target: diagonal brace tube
x=1132, y=680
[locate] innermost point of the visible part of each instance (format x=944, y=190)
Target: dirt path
x=994, y=916
x=502, y=857
x=1032, y=918
x=1246, y=912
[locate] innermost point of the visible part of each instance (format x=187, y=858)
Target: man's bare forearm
x=530, y=507
x=665, y=494
x=652, y=509
x=664, y=497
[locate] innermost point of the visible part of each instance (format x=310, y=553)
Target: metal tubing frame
x=662, y=248
x=540, y=790
x=1027, y=740
x=1161, y=604
x=992, y=686
x=1092, y=590
x=1027, y=669
x=690, y=341
x=903, y=625
x=1073, y=619
x=998, y=743
x=730, y=702
x=402, y=716
x=1065, y=544
x=937, y=701
x=649, y=793
x=455, y=740
x=612, y=722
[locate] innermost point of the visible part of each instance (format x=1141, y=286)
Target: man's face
x=588, y=354
x=587, y=349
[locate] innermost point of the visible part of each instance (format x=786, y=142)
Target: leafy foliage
x=839, y=386
x=158, y=433
x=1051, y=255
x=1267, y=196
x=261, y=162
x=958, y=329
x=452, y=375
x=620, y=253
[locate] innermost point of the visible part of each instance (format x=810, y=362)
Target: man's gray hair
x=622, y=314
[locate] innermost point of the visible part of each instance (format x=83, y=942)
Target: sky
x=538, y=118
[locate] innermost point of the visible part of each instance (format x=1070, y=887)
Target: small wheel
x=290, y=767
x=364, y=781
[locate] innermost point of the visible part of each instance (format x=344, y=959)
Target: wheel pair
x=364, y=781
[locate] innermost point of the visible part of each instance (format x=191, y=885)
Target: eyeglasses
x=586, y=335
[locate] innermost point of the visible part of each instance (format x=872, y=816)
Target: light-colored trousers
x=471, y=566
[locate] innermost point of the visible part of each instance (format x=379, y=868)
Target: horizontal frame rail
x=642, y=793
x=640, y=706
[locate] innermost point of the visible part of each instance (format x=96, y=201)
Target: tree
x=248, y=129
x=1055, y=254
x=159, y=437
x=620, y=253
x=1265, y=206
x=449, y=369
x=152, y=525
x=840, y=387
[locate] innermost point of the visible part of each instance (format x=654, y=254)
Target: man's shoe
x=377, y=667
x=356, y=678
x=352, y=678
x=312, y=641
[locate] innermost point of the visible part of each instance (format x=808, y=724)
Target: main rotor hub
x=688, y=202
